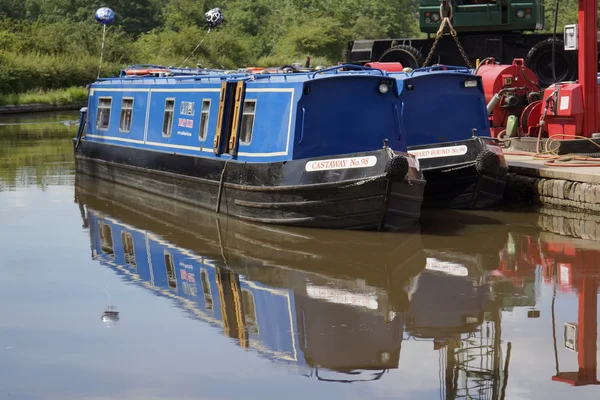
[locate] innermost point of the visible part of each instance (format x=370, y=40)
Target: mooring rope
x=555, y=159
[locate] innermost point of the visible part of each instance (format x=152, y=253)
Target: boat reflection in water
x=453, y=304
x=337, y=306
x=328, y=302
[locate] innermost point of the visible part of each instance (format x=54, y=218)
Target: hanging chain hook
x=446, y=13
x=446, y=10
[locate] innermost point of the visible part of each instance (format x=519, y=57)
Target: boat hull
x=473, y=178
x=284, y=193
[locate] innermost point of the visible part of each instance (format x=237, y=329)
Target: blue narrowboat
x=444, y=119
x=311, y=320
x=322, y=149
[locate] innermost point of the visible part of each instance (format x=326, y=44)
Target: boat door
x=232, y=311
x=229, y=117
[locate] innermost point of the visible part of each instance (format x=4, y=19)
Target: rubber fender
x=397, y=168
x=487, y=162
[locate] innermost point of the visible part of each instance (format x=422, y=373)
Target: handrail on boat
x=338, y=67
x=441, y=67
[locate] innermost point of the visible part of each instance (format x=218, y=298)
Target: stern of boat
x=465, y=174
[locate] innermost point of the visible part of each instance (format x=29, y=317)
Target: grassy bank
x=72, y=95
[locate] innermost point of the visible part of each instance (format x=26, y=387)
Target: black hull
x=275, y=193
x=474, y=180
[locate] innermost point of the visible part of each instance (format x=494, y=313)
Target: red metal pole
x=588, y=63
x=587, y=319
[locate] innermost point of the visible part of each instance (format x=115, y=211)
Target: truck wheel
x=408, y=56
x=539, y=60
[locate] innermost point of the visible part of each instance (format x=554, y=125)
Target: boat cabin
x=252, y=118
x=441, y=106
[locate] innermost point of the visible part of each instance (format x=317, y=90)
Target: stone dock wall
x=554, y=192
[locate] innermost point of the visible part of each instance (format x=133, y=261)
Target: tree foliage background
x=56, y=43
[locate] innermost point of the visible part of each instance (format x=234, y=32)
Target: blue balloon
x=105, y=15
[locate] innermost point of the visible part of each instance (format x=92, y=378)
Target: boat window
x=126, y=112
x=170, y=267
x=206, y=290
x=106, y=240
x=247, y=121
x=168, y=117
x=128, y=251
x=204, y=119
x=249, y=311
x=103, y=117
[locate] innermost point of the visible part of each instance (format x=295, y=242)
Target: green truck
x=503, y=29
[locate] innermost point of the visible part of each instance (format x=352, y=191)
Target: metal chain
x=438, y=36
x=460, y=48
x=435, y=42
x=440, y=33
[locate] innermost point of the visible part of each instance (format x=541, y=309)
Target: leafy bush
x=55, y=44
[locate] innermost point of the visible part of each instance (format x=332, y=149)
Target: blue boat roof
x=216, y=76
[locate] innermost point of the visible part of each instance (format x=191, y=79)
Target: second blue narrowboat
x=445, y=123
x=322, y=149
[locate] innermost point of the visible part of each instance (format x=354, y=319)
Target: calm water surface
x=109, y=293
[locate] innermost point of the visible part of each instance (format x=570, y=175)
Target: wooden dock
x=557, y=185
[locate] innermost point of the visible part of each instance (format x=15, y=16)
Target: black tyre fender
x=539, y=60
x=406, y=55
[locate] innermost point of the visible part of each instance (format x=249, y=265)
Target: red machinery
x=517, y=108
x=510, y=90
x=518, y=260
x=515, y=104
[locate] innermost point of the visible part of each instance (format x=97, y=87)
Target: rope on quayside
x=556, y=160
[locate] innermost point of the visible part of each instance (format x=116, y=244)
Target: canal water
x=109, y=293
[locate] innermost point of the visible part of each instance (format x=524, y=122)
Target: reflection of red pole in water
x=587, y=329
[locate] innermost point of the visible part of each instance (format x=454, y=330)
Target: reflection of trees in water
x=35, y=157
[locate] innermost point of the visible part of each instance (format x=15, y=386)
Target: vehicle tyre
x=408, y=56
x=539, y=60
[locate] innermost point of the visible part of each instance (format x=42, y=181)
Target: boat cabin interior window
x=168, y=117
x=247, y=121
x=206, y=290
x=106, y=240
x=103, y=117
x=170, y=267
x=128, y=251
x=126, y=112
x=204, y=119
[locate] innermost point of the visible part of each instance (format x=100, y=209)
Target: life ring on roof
x=255, y=70
x=390, y=66
x=147, y=71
